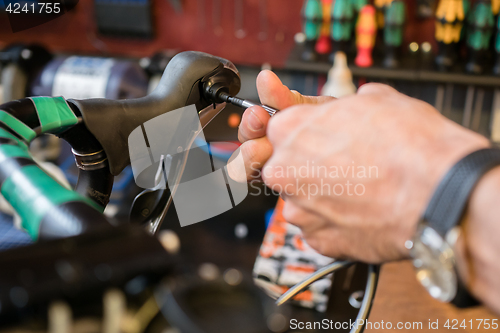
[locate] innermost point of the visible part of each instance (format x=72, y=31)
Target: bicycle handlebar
x=97, y=130
x=179, y=87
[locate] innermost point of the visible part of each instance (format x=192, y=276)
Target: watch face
x=434, y=261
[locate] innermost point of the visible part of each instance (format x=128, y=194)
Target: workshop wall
x=249, y=32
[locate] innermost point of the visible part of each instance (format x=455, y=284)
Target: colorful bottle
x=366, y=32
x=312, y=19
x=342, y=23
x=380, y=7
x=393, y=32
x=496, y=69
x=495, y=6
x=479, y=30
x=450, y=16
x=324, y=44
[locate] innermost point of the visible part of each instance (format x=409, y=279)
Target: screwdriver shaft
x=245, y=103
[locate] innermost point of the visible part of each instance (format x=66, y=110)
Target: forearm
x=478, y=248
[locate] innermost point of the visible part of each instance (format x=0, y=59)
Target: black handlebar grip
x=111, y=122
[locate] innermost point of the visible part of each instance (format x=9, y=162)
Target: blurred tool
x=312, y=17
x=380, y=8
x=358, y=5
x=496, y=69
x=479, y=31
x=339, y=78
x=450, y=16
x=393, y=32
x=20, y=64
x=480, y=25
x=366, y=30
x=324, y=44
x=425, y=8
x=495, y=6
x=89, y=77
x=343, y=17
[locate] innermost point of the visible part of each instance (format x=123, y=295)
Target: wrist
x=434, y=248
x=452, y=146
x=455, y=146
x=479, y=243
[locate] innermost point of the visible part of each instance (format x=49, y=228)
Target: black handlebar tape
x=111, y=122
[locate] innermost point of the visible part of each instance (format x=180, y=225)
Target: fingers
x=376, y=88
x=256, y=148
x=255, y=154
x=273, y=93
x=330, y=242
x=253, y=124
x=319, y=233
x=288, y=123
x=301, y=217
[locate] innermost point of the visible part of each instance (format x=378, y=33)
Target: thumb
x=275, y=94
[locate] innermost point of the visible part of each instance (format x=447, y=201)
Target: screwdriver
x=244, y=103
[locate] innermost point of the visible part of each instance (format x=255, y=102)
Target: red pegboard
x=193, y=29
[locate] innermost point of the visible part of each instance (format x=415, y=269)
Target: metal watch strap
x=450, y=199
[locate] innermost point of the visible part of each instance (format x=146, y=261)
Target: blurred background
x=444, y=52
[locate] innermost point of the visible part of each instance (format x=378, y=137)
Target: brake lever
x=209, y=113
x=146, y=203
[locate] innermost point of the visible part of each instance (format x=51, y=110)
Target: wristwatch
x=432, y=248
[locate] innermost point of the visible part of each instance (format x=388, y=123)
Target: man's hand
x=255, y=147
x=384, y=154
x=357, y=173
